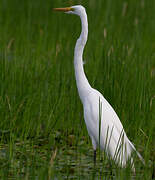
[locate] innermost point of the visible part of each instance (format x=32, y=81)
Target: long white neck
x=81, y=80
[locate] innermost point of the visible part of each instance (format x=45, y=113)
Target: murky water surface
x=38, y=161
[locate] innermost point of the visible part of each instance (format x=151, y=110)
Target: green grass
x=40, y=110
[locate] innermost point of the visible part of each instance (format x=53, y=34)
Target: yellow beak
x=66, y=9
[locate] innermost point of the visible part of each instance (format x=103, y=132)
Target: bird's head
x=78, y=10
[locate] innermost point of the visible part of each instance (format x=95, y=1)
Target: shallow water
x=37, y=161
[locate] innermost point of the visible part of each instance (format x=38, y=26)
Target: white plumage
x=98, y=113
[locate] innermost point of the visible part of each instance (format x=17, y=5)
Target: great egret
x=103, y=124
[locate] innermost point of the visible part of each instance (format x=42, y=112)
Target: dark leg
x=94, y=157
x=153, y=174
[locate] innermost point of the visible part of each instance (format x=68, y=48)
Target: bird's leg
x=101, y=158
x=94, y=147
x=95, y=157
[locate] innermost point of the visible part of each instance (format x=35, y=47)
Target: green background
x=41, y=116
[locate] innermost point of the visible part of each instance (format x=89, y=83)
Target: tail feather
x=138, y=154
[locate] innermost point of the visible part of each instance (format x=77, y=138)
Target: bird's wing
x=109, y=115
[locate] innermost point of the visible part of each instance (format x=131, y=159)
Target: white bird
x=103, y=124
